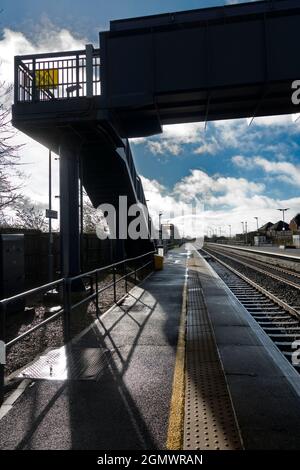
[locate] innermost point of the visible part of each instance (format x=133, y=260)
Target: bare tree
x=92, y=217
x=30, y=216
x=10, y=174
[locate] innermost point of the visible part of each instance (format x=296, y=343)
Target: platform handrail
x=65, y=284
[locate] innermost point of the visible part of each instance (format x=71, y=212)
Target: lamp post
x=245, y=230
x=149, y=221
x=229, y=231
x=160, y=228
x=283, y=212
x=256, y=222
x=210, y=232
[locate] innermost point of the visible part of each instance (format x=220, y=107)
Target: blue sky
x=238, y=171
x=87, y=17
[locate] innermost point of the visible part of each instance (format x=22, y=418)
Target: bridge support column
x=69, y=211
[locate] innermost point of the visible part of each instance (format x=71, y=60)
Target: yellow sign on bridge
x=46, y=79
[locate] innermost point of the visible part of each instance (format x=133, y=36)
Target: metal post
x=97, y=298
x=50, y=255
x=243, y=230
x=125, y=273
x=77, y=76
x=34, y=89
x=114, y=281
x=81, y=215
x=91, y=284
x=160, y=228
x=89, y=70
x=67, y=309
x=17, y=84
x=2, y=338
x=69, y=211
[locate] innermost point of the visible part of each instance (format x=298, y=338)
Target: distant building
x=295, y=224
x=266, y=228
x=279, y=227
x=168, y=231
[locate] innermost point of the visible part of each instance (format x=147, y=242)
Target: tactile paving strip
x=209, y=422
x=69, y=364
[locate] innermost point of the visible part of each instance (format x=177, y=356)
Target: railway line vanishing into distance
x=271, y=294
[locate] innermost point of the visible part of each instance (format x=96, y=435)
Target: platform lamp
x=149, y=221
x=283, y=212
x=160, y=227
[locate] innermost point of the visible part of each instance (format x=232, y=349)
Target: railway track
x=278, y=273
x=278, y=319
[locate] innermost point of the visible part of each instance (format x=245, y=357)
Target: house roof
x=279, y=226
x=296, y=219
x=265, y=227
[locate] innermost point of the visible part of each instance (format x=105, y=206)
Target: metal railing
x=57, y=75
x=128, y=269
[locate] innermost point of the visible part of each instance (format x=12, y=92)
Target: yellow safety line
x=176, y=417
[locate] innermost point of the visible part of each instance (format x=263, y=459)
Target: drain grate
x=209, y=418
x=69, y=364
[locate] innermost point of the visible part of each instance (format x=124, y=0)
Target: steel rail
x=259, y=288
x=271, y=266
x=262, y=271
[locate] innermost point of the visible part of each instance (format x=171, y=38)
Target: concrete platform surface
x=122, y=399
x=264, y=387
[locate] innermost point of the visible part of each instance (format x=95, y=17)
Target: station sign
x=51, y=214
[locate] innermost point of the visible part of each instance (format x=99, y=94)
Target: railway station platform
x=179, y=364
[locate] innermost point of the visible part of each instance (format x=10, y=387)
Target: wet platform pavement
x=118, y=396
x=119, y=385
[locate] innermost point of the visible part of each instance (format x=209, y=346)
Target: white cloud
x=226, y=135
x=241, y=161
x=16, y=43
x=211, y=148
x=216, y=190
x=34, y=156
x=282, y=170
x=226, y=201
x=161, y=148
